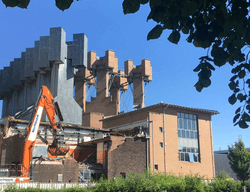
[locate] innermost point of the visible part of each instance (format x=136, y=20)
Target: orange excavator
x=44, y=101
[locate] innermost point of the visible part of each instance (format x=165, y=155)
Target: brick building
x=99, y=137
x=178, y=139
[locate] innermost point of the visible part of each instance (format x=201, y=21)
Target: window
x=161, y=144
x=188, y=137
x=60, y=177
x=160, y=129
x=188, y=154
x=156, y=167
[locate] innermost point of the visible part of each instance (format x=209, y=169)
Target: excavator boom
x=44, y=101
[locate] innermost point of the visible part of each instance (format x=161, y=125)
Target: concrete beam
x=23, y=58
x=36, y=54
x=57, y=45
x=43, y=61
x=80, y=50
x=16, y=78
x=29, y=61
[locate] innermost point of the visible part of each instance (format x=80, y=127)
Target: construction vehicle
x=44, y=101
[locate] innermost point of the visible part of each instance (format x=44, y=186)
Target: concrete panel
x=43, y=61
x=23, y=57
x=16, y=78
x=14, y=103
x=29, y=61
x=80, y=50
x=6, y=79
x=1, y=83
x=62, y=90
x=57, y=45
x=11, y=75
x=36, y=53
x=70, y=45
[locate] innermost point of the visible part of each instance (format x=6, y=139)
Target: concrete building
x=97, y=136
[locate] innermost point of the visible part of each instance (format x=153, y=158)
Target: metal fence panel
x=45, y=185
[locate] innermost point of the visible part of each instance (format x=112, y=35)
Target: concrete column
x=138, y=91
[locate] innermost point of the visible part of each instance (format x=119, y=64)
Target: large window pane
x=191, y=157
x=195, y=135
x=191, y=134
x=184, y=149
x=195, y=157
x=185, y=124
x=180, y=123
x=182, y=115
x=179, y=133
x=193, y=125
x=180, y=149
x=190, y=116
x=186, y=116
x=182, y=156
x=186, y=156
x=183, y=133
x=189, y=124
x=178, y=114
x=187, y=134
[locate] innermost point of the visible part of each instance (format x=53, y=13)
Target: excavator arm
x=44, y=101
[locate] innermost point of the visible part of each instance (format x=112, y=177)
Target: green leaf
x=236, y=117
x=11, y=3
x=232, y=99
x=248, y=107
x=63, y=4
x=236, y=90
x=199, y=67
x=238, y=110
x=205, y=82
x=208, y=65
x=24, y=4
x=174, y=37
x=155, y=3
x=232, y=85
x=185, y=30
x=155, y=33
x=242, y=74
x=233, y=77
x=243, y=124
x=204, y=73
x=130, y=6
x=198, y=86
x=144, y=1
x=240, y=97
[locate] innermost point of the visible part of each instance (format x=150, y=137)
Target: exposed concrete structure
x=52, y=62
x=99, y=137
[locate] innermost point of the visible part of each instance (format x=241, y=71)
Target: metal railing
x=45, y=185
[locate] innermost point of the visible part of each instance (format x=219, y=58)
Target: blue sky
x=108, y=28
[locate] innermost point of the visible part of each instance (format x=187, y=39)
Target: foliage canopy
x=239, y=160
x=220, y=26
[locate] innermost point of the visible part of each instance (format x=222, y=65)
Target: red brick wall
x=46, y=172
x=127, y=157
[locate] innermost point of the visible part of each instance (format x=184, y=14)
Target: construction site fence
x=45, y=185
